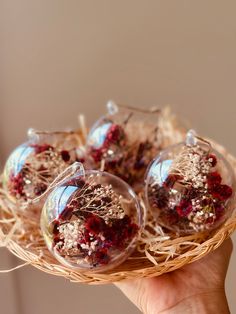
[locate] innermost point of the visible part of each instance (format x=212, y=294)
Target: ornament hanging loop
x=192, y=138
x=32, y=132
x=33, y=135
x=113, y=108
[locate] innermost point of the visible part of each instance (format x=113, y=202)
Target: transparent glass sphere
x=126, y=140
x=32, y=166
x=91, y=221
x=190, y=188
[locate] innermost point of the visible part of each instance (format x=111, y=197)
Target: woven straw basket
x=157, y=253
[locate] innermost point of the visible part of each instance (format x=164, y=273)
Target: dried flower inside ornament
x=91, y=220
x=33, y=166
x=190, y=187
x=92, y=227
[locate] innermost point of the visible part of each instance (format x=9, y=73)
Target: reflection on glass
x=20, y=155
x=99, y=135
x=160, y=171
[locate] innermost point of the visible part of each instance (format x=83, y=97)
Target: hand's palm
x=163, y=292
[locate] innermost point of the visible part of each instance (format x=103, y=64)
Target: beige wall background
x=59, y=58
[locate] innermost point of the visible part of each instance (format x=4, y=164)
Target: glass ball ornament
x=91, y=221
x=124, y=141
x=190, y=187
x=33, y=165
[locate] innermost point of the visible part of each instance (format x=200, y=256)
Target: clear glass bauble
x=125, y=141
x=190, y=187
x=32, y=166
x=91, y=221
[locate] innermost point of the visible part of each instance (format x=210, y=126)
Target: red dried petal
x=121, y=231
x=219, y=211
x=95, y=224
x=16, y=184
x=97, y=154
x=184, y=209
x=221, y=192
x=214, y=178
x=114, y=135
x=101, y=257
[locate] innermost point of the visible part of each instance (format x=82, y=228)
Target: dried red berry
x=212, y=158
x=40, y=188
x=209, y=220
x=65, y=155
x=55, y=227
x=57, y=239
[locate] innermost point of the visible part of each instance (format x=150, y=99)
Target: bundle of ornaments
x=136, y=196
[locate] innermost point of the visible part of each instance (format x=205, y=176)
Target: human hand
x=194, y=288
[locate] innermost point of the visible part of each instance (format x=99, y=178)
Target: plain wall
x=59, y=58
